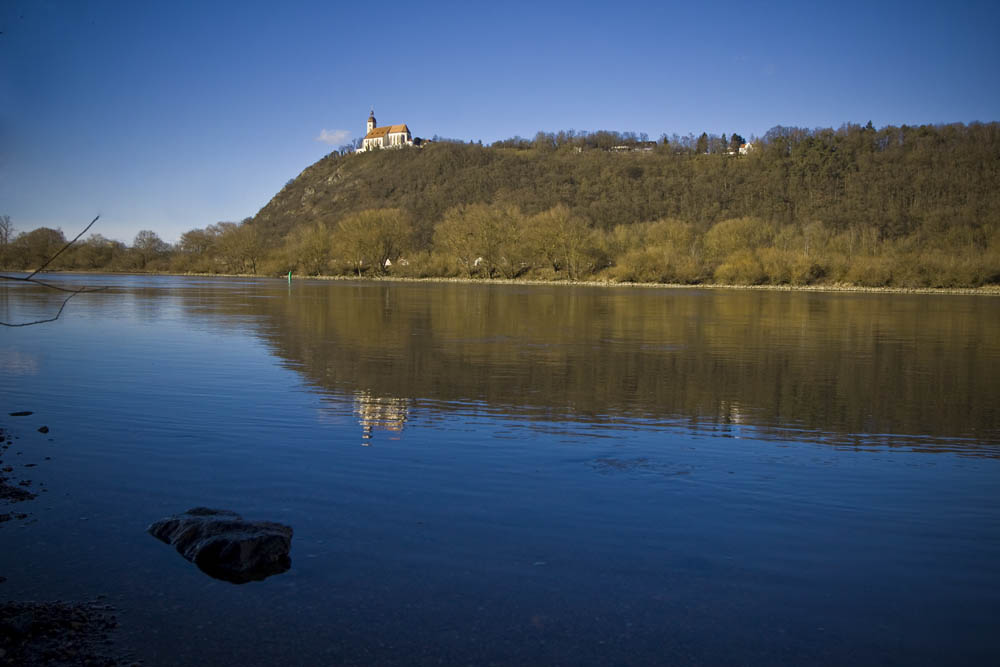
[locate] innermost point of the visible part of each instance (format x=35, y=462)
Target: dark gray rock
x=225, y=546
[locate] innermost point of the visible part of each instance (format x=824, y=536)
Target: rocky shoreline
x=13, y=490
x=220, y=542
x=53, y=632
x=58, y=633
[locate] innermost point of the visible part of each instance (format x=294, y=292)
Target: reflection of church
x=731, y=412
x=379, y=413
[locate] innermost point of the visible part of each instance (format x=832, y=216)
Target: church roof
x=386, y=130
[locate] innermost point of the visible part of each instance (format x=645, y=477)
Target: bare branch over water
x=31, y=279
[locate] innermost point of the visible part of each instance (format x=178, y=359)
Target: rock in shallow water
x=225, y=546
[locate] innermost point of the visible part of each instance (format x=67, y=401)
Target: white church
x=387, y=136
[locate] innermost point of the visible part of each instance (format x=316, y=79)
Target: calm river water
x=512, y=475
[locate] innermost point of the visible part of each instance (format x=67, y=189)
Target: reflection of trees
x=379, y=413
x=839, y=365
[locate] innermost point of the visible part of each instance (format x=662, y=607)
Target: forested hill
x=896, y=207
x=894, y=181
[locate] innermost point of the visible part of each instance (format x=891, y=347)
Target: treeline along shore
x=904, y=207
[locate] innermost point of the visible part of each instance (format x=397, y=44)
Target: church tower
x=371, y=120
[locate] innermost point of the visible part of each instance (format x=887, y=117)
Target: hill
x=896, y=180
x=897, y=206
x=854, y=198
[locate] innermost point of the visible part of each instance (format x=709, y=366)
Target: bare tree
x=374, y=238
x=6, y=233
x=148, y=247
x=6, y=230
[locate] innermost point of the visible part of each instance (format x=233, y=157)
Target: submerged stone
x=225, y=546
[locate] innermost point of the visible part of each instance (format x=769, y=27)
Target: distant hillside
x=895, y=207
x=894, y=180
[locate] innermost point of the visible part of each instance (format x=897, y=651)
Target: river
x=511, y=474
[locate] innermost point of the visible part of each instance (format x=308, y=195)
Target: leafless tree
x=6, y=233
x=6, y=230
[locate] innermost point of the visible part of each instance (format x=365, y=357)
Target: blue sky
x=175, y=115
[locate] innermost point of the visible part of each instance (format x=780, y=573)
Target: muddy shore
x=44, y=632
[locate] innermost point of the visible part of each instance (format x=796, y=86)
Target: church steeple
x=371, y=120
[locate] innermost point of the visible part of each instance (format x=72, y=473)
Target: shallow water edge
x=985, y=290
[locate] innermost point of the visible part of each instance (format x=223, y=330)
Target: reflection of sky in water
x=16, y=362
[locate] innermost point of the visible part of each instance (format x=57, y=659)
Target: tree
x=240, y=246
x=456, y=235
x=374, y=237
x=148, y=247
x=6, y=234
x=198, y=250
x=702, y=146
x=198, y=241
x=98, y=252
x=562, y=239
x=505, y=231
x=6, y=230
x=348, y=148
x=740, y=234
x=485, y=237
x=311, y=248
x=32, y=249
x=545, y=142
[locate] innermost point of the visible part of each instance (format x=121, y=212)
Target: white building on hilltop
x=387, y=136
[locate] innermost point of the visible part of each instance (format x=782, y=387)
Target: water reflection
x=851, y=370
x=15, y=362
x=379, y=413
x=848, y=369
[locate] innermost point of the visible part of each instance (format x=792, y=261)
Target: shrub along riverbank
x=905, y=207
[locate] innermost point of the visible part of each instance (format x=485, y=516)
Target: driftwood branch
x=30, y=278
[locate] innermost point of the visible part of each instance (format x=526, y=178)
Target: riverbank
x=992, y=290
x=45, y=632
x=985, y=290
